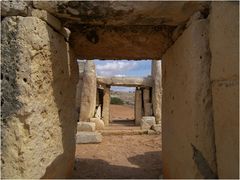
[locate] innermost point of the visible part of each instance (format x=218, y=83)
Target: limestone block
x=224, y=27
x=106, y=106
x=147, y=109
x=47, y=17
x=224, y=46
x=99, y=123
x=226, y=124
x=151, y=132
x=157, y=127
x=187, y=124
x=157, y=90
x=88, y=93
x=98, y=112
x=149, y=120
x=86, y=126
x=15, y=8
x=146, y=95
x=38, y=100
x=126, y=81
x=88, y=137
x=138, y=106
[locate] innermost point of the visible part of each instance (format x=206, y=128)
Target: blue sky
x=123, y=68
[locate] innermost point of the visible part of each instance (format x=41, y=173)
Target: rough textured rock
x=187, y=123
x=103, y=27
x=224, y=46
x=138, y=106
x=150, y=120
x=99, y=123
x=88, y=137
x=39, y=120
x=146, y=102
x=125, y=81
x=121, y=42
x=157, y=128
x=106, y=105
x=98, y=112
x=86, y=126
x=88, y=93
x=81, y=66
x=122, y=13
x=15, y=8
x=157, y=90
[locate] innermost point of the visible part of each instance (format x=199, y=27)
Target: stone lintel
x=126, y=81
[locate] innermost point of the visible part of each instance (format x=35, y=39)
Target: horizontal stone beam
x=125, y=81
x=124, y=42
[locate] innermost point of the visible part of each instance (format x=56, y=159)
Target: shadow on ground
x=149, y=167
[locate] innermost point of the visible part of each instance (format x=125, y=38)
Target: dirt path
x=122, y=156
x=121, y=112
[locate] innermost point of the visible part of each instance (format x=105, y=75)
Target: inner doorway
x=122, y=107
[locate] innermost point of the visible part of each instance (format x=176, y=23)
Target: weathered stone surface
x=86, y=126
x=81, y=65
x=138, y=106
x=187, y=114
x=157, y=128
x=106, y=105
x=149, y=120
x=121, y=42
x=99, y=123
x=225, y=54
x=98, y=112
x=146, y=95
x=125, y=81
x=88, y=137
x=157, y=90
x=122, y=13
x=88, y=93
x=147, y=109
x=151, y=132
x=39, y=79
x=15, y=8
x=48, y=18
x=224, y=46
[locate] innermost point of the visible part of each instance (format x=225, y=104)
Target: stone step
x=127, y=132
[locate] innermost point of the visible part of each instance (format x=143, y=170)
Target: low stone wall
x=39, y=119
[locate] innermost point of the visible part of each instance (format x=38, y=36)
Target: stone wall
x=188, y=136
x=39, y=119
x=224, y=45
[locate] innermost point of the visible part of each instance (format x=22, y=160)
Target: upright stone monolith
x=106, y=105
x=138, y=106
x=88, y=94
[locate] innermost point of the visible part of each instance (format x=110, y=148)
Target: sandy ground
x=117, y=157
x=120, y=156
x=121, y=112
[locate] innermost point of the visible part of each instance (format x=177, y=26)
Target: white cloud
x=115, y=68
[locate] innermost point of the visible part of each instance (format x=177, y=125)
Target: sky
x=123, y=68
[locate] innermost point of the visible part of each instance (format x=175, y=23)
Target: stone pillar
x=81, y=65
x=146, y=102
x=157, y=90
x=225, y=85
x=187, y=123
x=39, y=119
x=138, y=106
x=106, y=105
x=89, y=91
